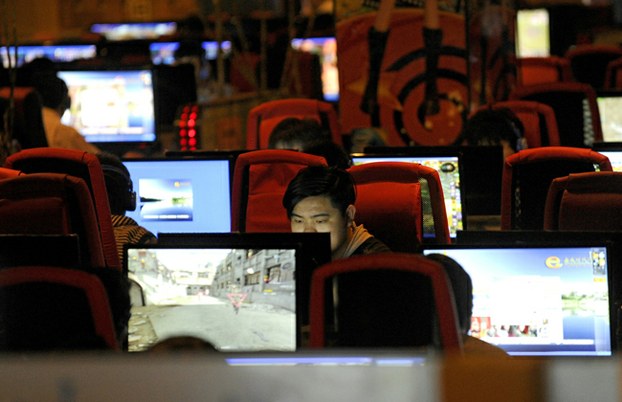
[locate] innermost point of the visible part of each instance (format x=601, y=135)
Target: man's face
x=318, y=214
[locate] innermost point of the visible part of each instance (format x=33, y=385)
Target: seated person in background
x=122, y=198
x=321, y=199
x=55, y=99
x=297, y=134
x=306, y=135
x=462, y=288
x=494, y=127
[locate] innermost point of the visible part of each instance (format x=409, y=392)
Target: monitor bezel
x=530, y=239
x=124, y=68
x=312, y=251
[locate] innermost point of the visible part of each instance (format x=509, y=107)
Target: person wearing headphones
x=122, y=198
x=489, y=127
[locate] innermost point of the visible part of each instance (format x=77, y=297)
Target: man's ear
x=350, y=212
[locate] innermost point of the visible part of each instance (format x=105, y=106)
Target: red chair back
x=528, y=174
x=585, y=201
x=51, y=203
x=79, y=164
x=588, y=62
x=260, y=179
x=54, y=308
x=541, y=70
x=412, y=295
x=391, y=205
x=575, y=107
x=538, y=121
x=263, y=118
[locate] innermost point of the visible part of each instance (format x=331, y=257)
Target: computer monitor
x=111, y=105
x=610, y=111
x=447, y=163
x=134, y=30
x=182, y=195
x=613, y=151
x=60, y=53
x=237, y=291
x=164, y=52
x=326, y=49
x=533, y=33
x=539, y=300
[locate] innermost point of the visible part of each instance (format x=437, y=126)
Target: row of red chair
x=388, y=196
x=58, y=192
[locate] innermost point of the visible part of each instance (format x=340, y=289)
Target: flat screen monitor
x=62, y=53
x=164, y=52
x=177, y=195
x=546, y=300
x=111, y=105
x=610, y=111
x=234, y=290
x=532, y=33
x=447, y=164
x=326, y=49
x=134, y=30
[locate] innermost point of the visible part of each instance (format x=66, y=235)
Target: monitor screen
x=532, y=33
x=237, y=292
x=326, y=49
x=539, y=300
x=164, y=52
x=182, y=195
x=134, y=30
x=111, y=105
x=610, y=111
x=57, y=53
x=448, y=168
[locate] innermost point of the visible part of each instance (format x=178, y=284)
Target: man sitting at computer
x=321, y=199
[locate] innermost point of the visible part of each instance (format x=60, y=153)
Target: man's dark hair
x=335, y=183
x=491, y=126
x=334, y=154
x=53, y=90
x=307, y=132
x=118, y=182
x=461, y=286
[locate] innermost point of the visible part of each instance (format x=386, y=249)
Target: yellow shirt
x=59, y=135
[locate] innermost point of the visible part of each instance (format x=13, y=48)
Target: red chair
x=538, y=120
x=260, y=179
x=79, y=164
x=585, y=201
x=588, y=62
x=575, y=106
x=6, y=173
x=388, y=299
x=392, y=204
x=51, y=203
x=528, y=174
x=263, y=118
x=541, y=70
x=52, y=308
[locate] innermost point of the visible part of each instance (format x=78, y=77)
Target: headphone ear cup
x=121, y=180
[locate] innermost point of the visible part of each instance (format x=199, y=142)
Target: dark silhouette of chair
x=50, y=308
x=79, y=164
x=585, y=201
x=528, y=174
x=260, y=179
x=395, y=200
x=28, y=127
x=613, y=74
x=51, y=203
x=387, y=300
x=264, y=117
x=576, y=110
x=538, y=121
x=589, y=62
x=541, y=70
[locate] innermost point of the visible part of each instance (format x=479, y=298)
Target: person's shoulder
x=371, y=246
